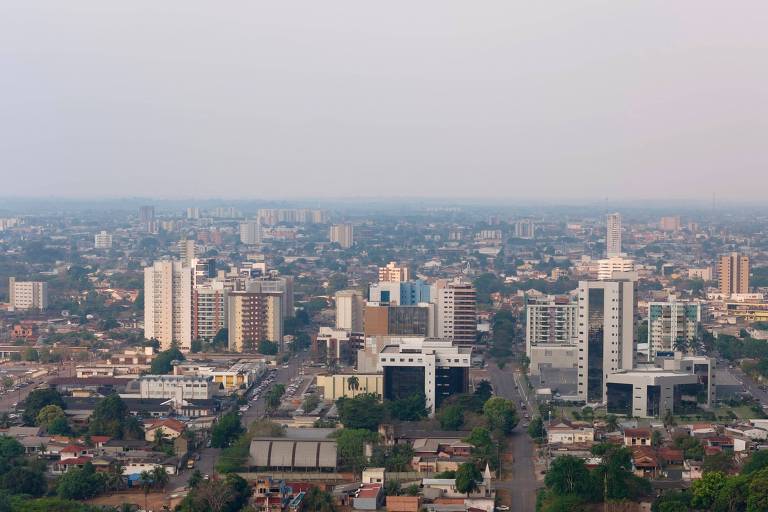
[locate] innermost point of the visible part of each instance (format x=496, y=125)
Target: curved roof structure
x=293, y=454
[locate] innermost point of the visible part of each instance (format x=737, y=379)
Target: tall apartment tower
x=393, y=273
x=342, y=234
x=551, y=333
x=253, y=317
x=525, y=228
x=349, y=310
x=209, y=309
x=456, y=311
x=670, y=321
x=27, y=295
x=733, y=274
x=250, y=232
x=613, y=235
x=187, y=252
x=168, y=304
x=606, y=334
x=102, y=240
x=146, y=214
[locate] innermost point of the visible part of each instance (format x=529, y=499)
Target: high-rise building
x=209, y=310
x=250, y=232
x=551, y=333
x=381, y=320
x=606, y=334
x=342, y=234
x=203, y=269
x=613, y=235
x=405, y=293
x=253, y=317
x=525, y=228
x=437, y=368
x=187, y=252
x=670, y=321
x=146, y=214
x=102, y=240
x=273, y=283
x=393, y=273
x=27, y=295
x=608, y=266
x=671, y=223
x=168, y=304
x=456, y=310
x=349, y=310
x=193, y=213
x=733, y=274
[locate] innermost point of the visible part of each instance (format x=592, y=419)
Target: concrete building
x=209, y=310
x=168, y=304
x=613, y=235
x=27, y=295
x=733, y=274
x=253, y=317
x=180, y=387
x=203, y=270
x=339, y=344
x=393, y=273
x=273, y=283
x=551, y=333
x=606, y=334
x=340, y=385
x=525, y=228
x=564, y=432
x=670, y=321
x=342, y=234
x=146, y=214
x=399, y=320
x=250, y=232
x=704, y=273
x=651, y=392
x=670, y=223
x=403, y=293
x=702, y=367
x=102, y=241
x=187, y=252
x=607, y=267
x=456, y=310
x=438, y=368
x=193, y=213
x=349, y=310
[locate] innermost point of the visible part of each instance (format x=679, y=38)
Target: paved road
x=8, y=399
x=519, y=477
x=748, y=383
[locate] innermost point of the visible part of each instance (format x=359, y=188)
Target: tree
x=24, y=480
x=80, y=484
x=656, y=438
x=569, y=475
x=681, y=344
x=145, y=480
x=757, y=461
x=758, y=492
x=483, y=390
x=412, y=408
x=611, y=422
x=451, y=417
x=733, y=495
x=353, y=383
x=31, y=354
x=160, y=477
x=483, y=448
x=319, y=501
x=111, y=418
x=59, y=427
x=49, y=414
x=195, y=479
x=351, y=446
x=391, y=488
x=362, y=411
x=536, y=428
x=706, y=489
x=226, y=430
x=721, y=462
x=38, y=399
x=268, y=348
x=501, y=414
x=161, y=364
x=467, y=478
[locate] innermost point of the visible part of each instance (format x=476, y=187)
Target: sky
x=330, y=99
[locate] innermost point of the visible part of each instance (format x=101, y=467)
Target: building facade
x=393, y=273
x=27, y=295
x=209, y=310
x=253, y=317
x=608, y=266
x=551, y=333
x=183, y=387
x=168, y=304
x=670, y=321
x=342, y=234
x=250, y=232
x=349, y=310
x=102, y=241
x=733, y=274
x=613, y=235
x=456, y=311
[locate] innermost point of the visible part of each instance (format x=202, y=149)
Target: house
x=403, y=503
x=692, y=470
x=670, y=456
x=170, y=428
x=754, y=433
x=645, y=463
x=562, y=431
x=369, y=497
x=637, y=437
x=703, y=429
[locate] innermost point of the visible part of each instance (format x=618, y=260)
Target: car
x=502, y=508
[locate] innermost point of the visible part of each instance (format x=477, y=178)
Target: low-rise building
x=176, y=386
x=564, y=432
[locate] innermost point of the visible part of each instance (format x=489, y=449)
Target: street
x=519, y=477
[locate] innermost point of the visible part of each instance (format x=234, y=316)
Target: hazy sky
x=537, y=99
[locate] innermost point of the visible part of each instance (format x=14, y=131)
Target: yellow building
x=350, y=385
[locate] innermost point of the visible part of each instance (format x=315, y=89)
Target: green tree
x=161, y=364
x=757, y=461
x=80, y=484
x=451, y=417
x=467, y=478
x=706, y=489
x=268, y=348
x=758, y=492
x=501, y=414
x=351, y=446
x=226, y=430
x=59, y=427
x=412, y=408
x=483, y=390
x=24, y=480
x=484, y=449
x=721, y=462
x=31, y=355
x=536, y=428
x=733, y=495
x=363, y=411
x=111, y=418
x=38, y=399
x=353, y=383
x=48, y=414
x=319, y=501
x=569, y=475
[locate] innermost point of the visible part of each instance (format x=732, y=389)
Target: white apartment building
x=250, y=232
x=168, y=304
x=209, y=309
x=27, y=295
x=349, y=310
x=670, y=321
x=613, y=235
x=551, y=333
x=180, y=387
x=438, y=368
x=456, y=310
x=102, y=240
x=607, y=267
x=525, y=228
x=393, y=273
x=342, y=234
x=282, y=285
x=606, y=334
x=187, y=252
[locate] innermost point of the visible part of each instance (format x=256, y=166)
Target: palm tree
x=319, y=501
x=145, y=478
x=114, y=477
x=160, y=477
x=681, y=344
x=160, y=438
x=353, y=383
x=611, y=423
x=696, y=345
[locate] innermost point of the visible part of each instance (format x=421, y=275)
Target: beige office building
x=168, y=304
x=393, y=273
x=733, y=274
x=26, y=295
x=254, y=317
x=342, y=234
